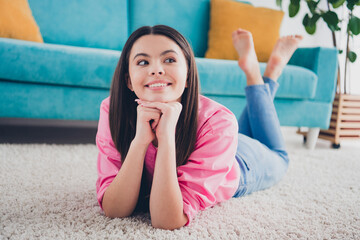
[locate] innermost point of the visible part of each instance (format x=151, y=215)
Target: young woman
x=167, y=149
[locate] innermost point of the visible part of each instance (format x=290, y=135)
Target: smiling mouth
x=158, y=85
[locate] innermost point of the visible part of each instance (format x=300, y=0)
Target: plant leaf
x=338, y=3
x=279, y=3
x=351, y=3
x=315, y=18
x=306, y=20
x=310, y=29
x=352, y=56
x=294, y=7
x=354, y=25
x=331, y=20
x=312, y=6
x=309, y=24
x=340, y=51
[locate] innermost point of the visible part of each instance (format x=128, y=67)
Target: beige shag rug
x=48, y=192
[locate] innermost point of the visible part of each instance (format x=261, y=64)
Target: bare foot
x=280, y=55
x=244, y=45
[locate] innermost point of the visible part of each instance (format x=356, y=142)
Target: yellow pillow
x=16, y=21
x=227, y=15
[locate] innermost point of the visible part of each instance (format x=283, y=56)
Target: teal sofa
x=67, y=77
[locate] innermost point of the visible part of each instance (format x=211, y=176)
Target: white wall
x=322, y=37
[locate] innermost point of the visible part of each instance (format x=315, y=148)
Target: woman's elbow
x=166, y=226
x=115, y=213
x=113, y=209
x=170, y=225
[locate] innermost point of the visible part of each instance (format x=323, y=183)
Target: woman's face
x=157, y=69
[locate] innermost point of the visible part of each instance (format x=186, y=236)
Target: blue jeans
x=261, y=152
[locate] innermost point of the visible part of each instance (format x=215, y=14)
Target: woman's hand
x=165, y=126
x=147, y=119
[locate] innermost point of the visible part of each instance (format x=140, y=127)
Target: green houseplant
x=330, y=17
x=345, y=118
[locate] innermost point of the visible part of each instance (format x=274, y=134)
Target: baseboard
x=31, y=122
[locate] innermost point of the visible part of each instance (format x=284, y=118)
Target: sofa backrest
x=189, y=17
x=107, y=24
x=85, y=23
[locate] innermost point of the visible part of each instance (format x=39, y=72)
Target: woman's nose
x=157, y=69
x=159, y=73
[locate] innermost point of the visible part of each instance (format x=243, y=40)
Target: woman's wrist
x=166, y=139
x=139, y=142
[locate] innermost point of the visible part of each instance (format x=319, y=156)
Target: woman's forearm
x=121, y=196
x=166, y=203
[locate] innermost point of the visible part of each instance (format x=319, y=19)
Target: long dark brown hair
x=123, y=113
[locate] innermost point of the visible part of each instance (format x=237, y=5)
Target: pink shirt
x=211, y=174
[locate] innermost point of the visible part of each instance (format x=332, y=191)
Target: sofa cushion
x=295, y=82
x=228, y=15
x=16, y=21
x=57, y=64
x=94, y=68
x=192, y=21
x=85, y=23
x=42, y=101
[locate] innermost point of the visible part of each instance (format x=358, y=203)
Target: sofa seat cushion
x=295, y=82
x=93, y=68
x=57, y=64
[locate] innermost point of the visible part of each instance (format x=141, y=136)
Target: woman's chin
x=159, y=99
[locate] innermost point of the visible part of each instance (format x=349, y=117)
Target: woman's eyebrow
x=141, y=54
x=147, y=55
x=167, y=51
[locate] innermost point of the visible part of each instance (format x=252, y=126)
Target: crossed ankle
x=254, y=79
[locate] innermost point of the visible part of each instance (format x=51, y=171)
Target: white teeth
x=158, y=85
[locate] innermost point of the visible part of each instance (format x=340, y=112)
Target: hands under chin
x=165, y=126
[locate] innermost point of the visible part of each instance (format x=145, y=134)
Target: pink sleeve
x=211, y=174
x=109, y=160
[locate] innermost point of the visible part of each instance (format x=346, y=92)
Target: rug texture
x=48, y=192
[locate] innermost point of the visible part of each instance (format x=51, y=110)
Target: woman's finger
x=149, y=109
x=153, y=117
x=155, y=123
x=157, y=105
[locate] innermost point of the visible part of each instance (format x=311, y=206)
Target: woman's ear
x=128, y=82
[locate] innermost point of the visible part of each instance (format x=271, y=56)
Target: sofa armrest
x=54, y=64
x=324, y=63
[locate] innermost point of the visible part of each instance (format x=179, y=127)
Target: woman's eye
x=169, y=60
x=142, y=62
